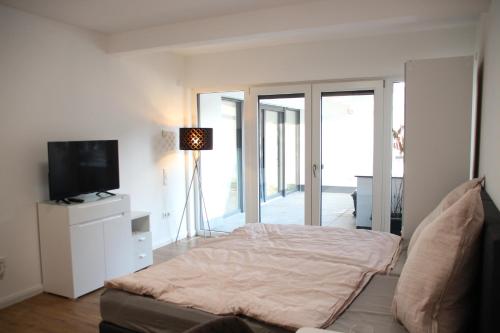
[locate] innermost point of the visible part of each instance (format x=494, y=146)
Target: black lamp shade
x=195, y=138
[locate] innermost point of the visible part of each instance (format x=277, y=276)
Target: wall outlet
x=3, y=267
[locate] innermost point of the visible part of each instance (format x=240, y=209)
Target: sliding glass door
x=348, y=154
x=311, y=154
x=347, y=158
x=271, y=150
x=320, y=154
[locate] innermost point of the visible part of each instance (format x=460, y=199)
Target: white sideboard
x=82, y=245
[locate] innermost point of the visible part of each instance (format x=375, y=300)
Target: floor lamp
x=195, y=139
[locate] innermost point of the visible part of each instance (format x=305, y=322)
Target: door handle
x=315, y=168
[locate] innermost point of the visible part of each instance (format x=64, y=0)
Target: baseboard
x=20, y=296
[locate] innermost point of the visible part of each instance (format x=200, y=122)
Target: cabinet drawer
x=90, y=211
x=143, y=242
x=142, y=260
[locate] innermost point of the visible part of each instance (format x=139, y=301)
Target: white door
x=87, y=248
x=348, y=154
x=118, y=245
x=319, y=153
x=278, y=139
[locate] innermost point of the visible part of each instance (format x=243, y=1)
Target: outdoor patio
x=337, y=209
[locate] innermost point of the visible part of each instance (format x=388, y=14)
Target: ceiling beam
x=304, y=20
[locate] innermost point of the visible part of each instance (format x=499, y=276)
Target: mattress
x=370, y=312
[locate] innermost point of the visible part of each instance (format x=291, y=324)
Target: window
x=281, y=142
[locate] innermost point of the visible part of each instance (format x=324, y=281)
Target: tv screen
x=79, y=167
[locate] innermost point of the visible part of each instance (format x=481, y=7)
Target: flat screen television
x=80, y=167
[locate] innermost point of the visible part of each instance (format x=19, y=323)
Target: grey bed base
x=487, y=316
x=105, y=327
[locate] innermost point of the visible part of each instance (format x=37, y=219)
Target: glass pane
x=347, y=125
x=222, y=167
x=271, y=153
x=281, y=159
x=398, y=121
x=229, y=127
x=292, y=150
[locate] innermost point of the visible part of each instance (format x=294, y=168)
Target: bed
x=127, y=312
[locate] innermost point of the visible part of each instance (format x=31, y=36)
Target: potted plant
x=397, y=207
x=397, y=184
x=398, y=137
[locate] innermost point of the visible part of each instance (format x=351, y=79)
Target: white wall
x=489, y=162
x=57, y=84
x=364, y=57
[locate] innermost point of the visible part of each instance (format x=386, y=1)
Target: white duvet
x=286, y=275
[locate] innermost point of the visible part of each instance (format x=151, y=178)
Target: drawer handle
x=141, y=239
x=142, y=256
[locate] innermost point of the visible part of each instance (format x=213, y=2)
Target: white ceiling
x=198, y=26
x=115, y=16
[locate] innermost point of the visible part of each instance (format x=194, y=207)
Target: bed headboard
x=489, y=281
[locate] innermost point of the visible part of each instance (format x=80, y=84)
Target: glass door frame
x=239, y=149
x=381, y=149
x=262, y=172
x=191, y=119
x=282, y=142
x=383, y=113
x=252, y=152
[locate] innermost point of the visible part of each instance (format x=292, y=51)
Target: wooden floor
x=55, y=314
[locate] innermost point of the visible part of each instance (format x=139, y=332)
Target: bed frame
x=487, y=317
x=488, y=288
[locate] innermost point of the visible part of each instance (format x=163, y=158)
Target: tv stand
x=82, y=245
x=99, y=194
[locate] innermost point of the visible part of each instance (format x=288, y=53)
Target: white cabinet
x=118, y=246
x=438, y=114
x=84, y=244
x=87, y=262
x=143, y=243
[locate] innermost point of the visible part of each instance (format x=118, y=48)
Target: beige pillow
x=447, y=201
x=432, y=294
